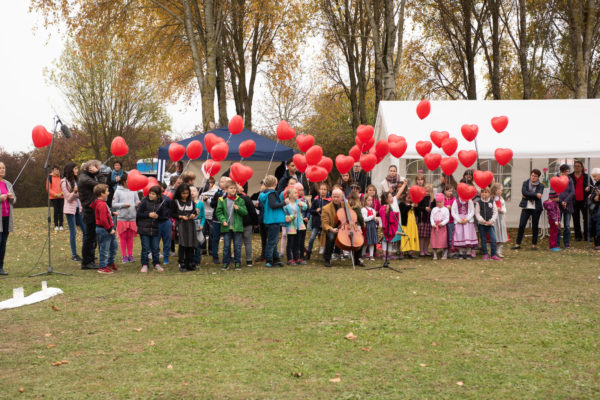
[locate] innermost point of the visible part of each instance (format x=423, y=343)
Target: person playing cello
x=331, y=226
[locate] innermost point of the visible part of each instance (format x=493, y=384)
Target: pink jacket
x=389, y=230
x=71, y=198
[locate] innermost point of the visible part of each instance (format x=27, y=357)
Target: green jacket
x=238, y=218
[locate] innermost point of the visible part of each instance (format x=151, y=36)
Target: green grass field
x=525, y=328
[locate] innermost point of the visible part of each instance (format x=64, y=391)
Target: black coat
x=286, y=177
x=527, y=195
x=85, y=185
x=146, y=225
x=251, y=218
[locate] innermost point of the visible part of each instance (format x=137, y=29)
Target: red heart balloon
x=300, y=162
x=211, y=167
x=326, y=163
x=449, y=165
x=449, y=146
x=365, y=133
x=194, y=149
x=432, y=161
x=151, y=183
x=417, y=193
x=503, y=156
x=423, y=108
x=499, y=123
x=210, y=139
x=483, y=179
x=559, y=183
x=423, y=147
x=368, y=162
x=136, y=181
x=398, y=148
x=40, y=136
x=169, y=194
x=382, y=148
x=176, y=152
x=240, y=173
x=364, y=146
x=344, y=163
x=467, y=157
x=118, y=147
x=305, y=142
x=285, y=131
x=355, y=153
x=395, y=138
x=466, y=192
x=469, y=132
x=236, y=125
x=314, y=155
x=314, y=173
x=438, y=137
x=219, y=151
x=247, y=148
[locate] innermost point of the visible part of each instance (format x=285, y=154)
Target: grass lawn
x=525, y=328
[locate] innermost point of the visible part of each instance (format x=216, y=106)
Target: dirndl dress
x=500, y=225
x=439, y=237
x=371, y=230
x=410, y=242
x=464, y=235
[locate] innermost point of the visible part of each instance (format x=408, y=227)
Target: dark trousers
x=186, y=256
x=535, y=220
x=216, y=236
x=301, y=241
x=271, y=253
x=330, y=244
x=291, y=249
x=263, y=239
x=580, y=207
x=58, y=205
x=89, y=237
x=3, y=240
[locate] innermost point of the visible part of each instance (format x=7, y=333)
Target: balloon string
x=272, y=156
x=229, y=138
x=22, y=169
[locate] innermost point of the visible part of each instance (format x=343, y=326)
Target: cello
x=350, y=236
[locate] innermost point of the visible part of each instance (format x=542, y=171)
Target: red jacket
x=103, y=216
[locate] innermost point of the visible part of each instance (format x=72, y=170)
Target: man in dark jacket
x=360, y=177
x=582, y=186
x=531, y=207
x=291, y=172
x=86, y=183
x=565, y=202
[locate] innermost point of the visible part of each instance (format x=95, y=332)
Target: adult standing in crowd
x=292, y=172
x=531, y=205
x=360, y=177
x=565, y=201
x=594, y=207
x=72, y=208
x=392, y=181
x=56, y=197
x=582, y=189
x=7, y=200
x=86, y=184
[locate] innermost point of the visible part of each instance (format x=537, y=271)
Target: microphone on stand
x=64, y=128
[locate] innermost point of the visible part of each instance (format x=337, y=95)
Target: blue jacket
x=527, y=195
x=201, y=214
x=272, y=206
x=567, y=196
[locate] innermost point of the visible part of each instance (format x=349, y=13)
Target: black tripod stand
x=47, y=169
x=386, y=263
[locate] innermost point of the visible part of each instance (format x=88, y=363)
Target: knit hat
x=439, y=197
x=553, y=195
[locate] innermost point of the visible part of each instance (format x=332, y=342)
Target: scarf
x=232, y=198
x=394, y=182
x=532, y=185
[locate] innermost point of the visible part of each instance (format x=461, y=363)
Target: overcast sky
x=26, y=99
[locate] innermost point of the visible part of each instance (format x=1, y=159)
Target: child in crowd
x=390, y=223
x=486, y=214
x=125, y=202
x=250, y=220
x=105, y=230
x=294, y=223
x=355, y=205
x=230, y=212
x=273, y=219
x=553, y=210
x=261, y=222
x=448, y=201
x=188, y=177
x=116, y=175
x=72, y=208
x=439, y=218
x=318, y=202
x=173, y=183
x=199, y=221
x=152, y=209
x=370, y=218
x=464, y=237
x=410, y=242
x=305, y=217
x=283, y=242
x=216, y=224
x=345, y=183
x=183, y=210
x=500, y=225
x=422, y=213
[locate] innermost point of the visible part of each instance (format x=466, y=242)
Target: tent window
x=416, y=165
x=502, y=174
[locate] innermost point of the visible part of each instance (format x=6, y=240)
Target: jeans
x=247, y=240
x=73, y=220
x=580, y=207
x=164, y=233
x=313, y=236
x=237, y=247
x=450, y=233
x=291, y=249
x=3, y=240
x=535, y=220
x=89, y=237
x=301, y=241
x=271, y=253
x=150, y=244
x=58, y=205
x=216, y=235
x=483, y=230
x=107, y=244
x=566, y=229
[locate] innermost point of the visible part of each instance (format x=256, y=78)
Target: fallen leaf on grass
x=137, y=329
x=21, y=390
x=152, y=343
x=460, y=383
x=169, y=366
x=185, y=384
x=55, y=308
x=56, y=364
x=434, y=344
x=48, y=335
x=366, y=349
x=65, y=361
x=50, y=346
x=336, y=379
x=351, y=336
x=422, y=365
x=297, y=374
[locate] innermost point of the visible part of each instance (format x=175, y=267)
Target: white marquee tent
x=538, y=132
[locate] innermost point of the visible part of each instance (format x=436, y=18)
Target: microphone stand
x=50, y=270
x=386, y=263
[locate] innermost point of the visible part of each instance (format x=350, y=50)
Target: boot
x=445, y=254
x=2, y=272
x=307, y=255
x=435, y=254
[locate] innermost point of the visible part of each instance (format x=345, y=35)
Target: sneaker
x=371, y=258
x=308, y=255
x=496, y=258
x=555, y=249
x=225, y=267
x=3, y=272
x=166, y=260
x=335, y=257
x=269, y=265
x=567, y=246
x=105, y=270
x=158, y=268
x=249, y=263
x=516, y=247
x=113, y=267
x=125, y=259
x=435, y=256
x=144, y=268
x=237, y=267
x=182, y=269
x=131, y=258
x=292, y=262
x=192, y=268
x=486, y=257
x=76, y=258
x=445, y=257
x=89, y=266
x=278, y=264
x=300, y=262
x=321, y=251
x=56, y=229
x=327, y=264
x=534, y=248
x=60, y=228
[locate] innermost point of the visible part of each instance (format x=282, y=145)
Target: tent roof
x=536, y=128
x=264, y=146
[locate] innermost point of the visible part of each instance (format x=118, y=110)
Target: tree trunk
x=523, y=49
x=221, y=90
x=467, y=6
x=395, y=37
x=495, y=78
